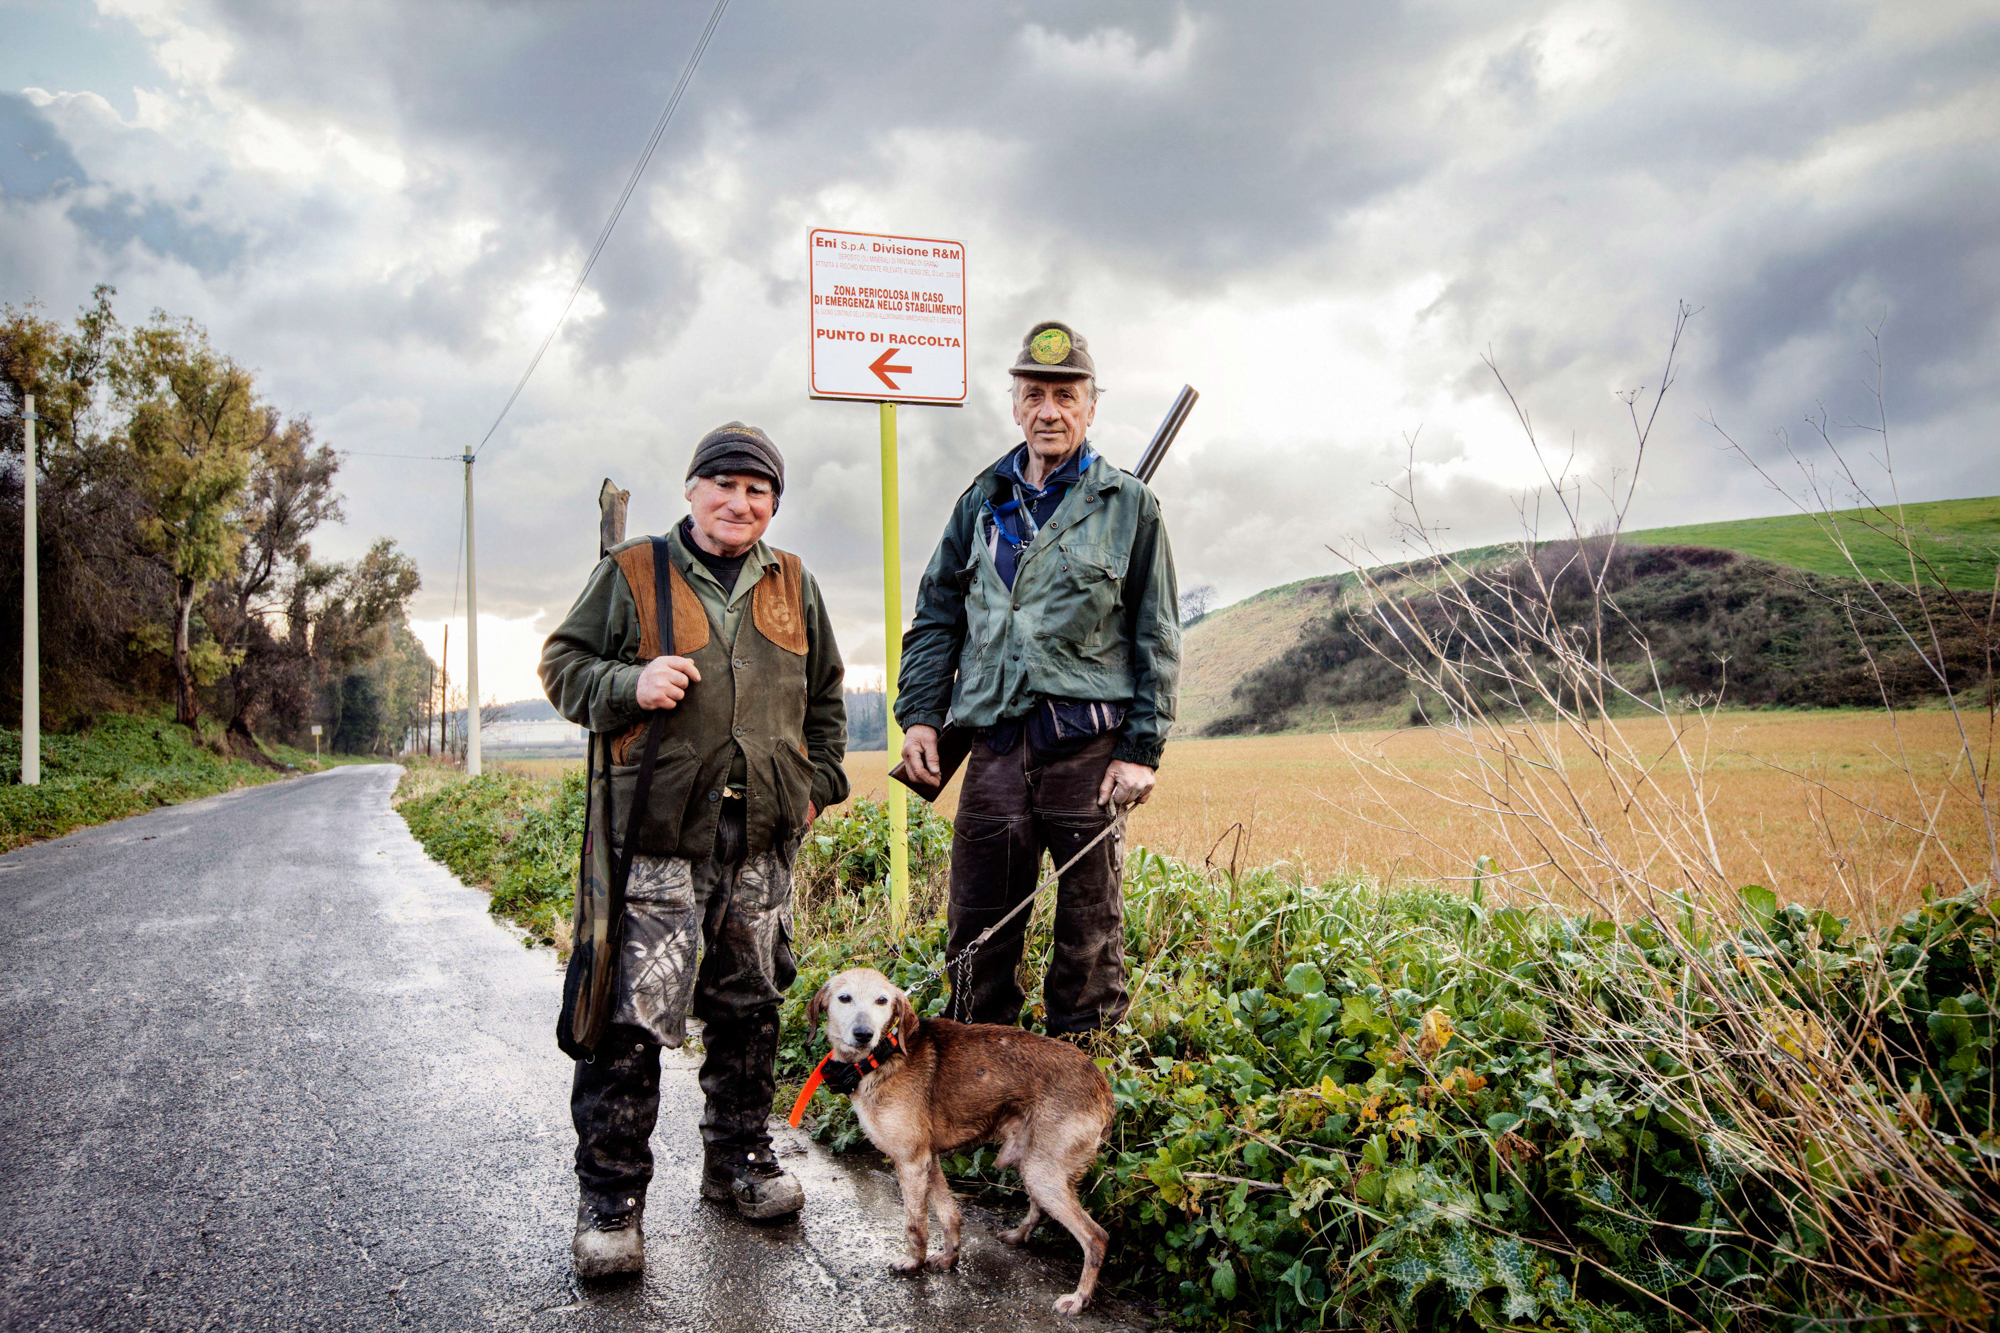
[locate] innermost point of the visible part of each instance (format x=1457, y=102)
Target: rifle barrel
x=1163, y=439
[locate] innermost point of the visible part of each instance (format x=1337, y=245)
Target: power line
x=366, y=453
x=631, y=184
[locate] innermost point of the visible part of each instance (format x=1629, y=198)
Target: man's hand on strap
x=920, y=752
x=664, y=682
x=1125, y=783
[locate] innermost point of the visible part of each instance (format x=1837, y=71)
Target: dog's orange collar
x=867, y=1064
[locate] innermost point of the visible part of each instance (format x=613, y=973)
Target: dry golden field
x=1817, y=806
x=534, y=768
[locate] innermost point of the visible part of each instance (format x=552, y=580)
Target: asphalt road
x=263, y=1065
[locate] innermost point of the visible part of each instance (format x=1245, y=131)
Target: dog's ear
x=906, y=1017
x=816, y=1010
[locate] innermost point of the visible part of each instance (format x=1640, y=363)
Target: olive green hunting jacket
x=767, y=722
x=1093, y=615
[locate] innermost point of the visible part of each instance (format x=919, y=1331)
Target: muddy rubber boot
x=751, y=1178
x=739, y=1079
x=608, y=1244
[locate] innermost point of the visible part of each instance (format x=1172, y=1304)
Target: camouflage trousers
x=709, y=939
x=1012, y=809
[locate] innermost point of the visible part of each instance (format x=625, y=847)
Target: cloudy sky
x=1322, y=216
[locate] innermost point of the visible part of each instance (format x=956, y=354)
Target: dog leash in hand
x=948, y=965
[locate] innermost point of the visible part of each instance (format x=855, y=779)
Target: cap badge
x=1050, y=347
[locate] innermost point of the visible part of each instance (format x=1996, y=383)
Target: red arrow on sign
x=883, y=370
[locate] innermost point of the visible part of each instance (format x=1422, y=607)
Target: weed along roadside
x=1343, y=1105
x=126, y=764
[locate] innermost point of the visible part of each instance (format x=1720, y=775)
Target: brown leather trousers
x=1013, y=808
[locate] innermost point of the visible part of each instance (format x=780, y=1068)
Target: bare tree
x=1196, y=603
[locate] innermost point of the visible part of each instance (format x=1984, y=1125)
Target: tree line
x=176, y=508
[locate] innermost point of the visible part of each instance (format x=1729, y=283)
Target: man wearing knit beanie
x=748, y=683
x=738, y=449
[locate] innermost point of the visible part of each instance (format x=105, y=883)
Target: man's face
x=1054, y=415
x=731, y=511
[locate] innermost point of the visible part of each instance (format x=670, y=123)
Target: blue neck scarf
x=1014, y=520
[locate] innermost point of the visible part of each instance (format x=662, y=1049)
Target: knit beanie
x=735, y=448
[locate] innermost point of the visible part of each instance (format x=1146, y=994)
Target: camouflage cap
x=1054, y=351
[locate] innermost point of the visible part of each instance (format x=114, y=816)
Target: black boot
x=739, y=1080
x=608, y=1244
x=751, y=1179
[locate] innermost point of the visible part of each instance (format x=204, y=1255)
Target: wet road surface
x=263, y=1065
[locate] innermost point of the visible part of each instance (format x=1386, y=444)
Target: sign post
x=892, y=640
x=315, y=742
x=888, y=327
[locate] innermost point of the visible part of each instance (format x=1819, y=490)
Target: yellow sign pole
x=892, y=633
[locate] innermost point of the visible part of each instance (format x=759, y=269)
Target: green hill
x=1959, y=541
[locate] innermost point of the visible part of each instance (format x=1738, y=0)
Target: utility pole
x=31, y=612
x=471, y=636
x=444, y=696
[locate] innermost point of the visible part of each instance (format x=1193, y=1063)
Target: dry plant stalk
x=1715, y=1029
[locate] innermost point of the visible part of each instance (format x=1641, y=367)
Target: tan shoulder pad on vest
x=778, y=605
x=690, y=621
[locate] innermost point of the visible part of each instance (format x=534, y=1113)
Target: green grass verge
x=122, y=764
x=516, y=836
x=1342, y=1107
x=1959, y=538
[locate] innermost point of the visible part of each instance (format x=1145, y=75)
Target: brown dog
x=944, y=1086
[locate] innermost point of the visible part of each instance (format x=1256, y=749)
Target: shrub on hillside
x=1693, y=621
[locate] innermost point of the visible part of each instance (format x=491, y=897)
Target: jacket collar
x=1099, y=478
x=758, y=561
x=761, y=555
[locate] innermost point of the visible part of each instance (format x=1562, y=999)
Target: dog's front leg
x=915, y=1179
x=950, y=1219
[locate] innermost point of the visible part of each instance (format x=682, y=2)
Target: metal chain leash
x=951, y=964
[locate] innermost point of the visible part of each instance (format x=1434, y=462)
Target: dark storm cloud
x=1204, y=187
x=34, y=160
x=161, y=228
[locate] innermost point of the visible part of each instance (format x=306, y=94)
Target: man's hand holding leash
x=1125, y=784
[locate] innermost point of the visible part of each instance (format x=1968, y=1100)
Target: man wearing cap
x=1047, y=625
x=754, y=732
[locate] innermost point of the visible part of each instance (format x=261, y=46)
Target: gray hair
x=1091, y=380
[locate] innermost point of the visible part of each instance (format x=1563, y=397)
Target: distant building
x=531, y=734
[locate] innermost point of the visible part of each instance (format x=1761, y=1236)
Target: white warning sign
x=888, y=318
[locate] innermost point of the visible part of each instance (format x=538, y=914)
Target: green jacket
x=768, y=718
x=1093, y=614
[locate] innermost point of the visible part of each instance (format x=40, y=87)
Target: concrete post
x=31, y=611
x=471, y=636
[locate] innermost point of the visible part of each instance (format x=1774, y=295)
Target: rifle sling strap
x=621, y=865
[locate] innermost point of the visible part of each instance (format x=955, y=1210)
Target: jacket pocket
x=1089, y=588
x=673, y=783
x=792, y=779
x=958, y=580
